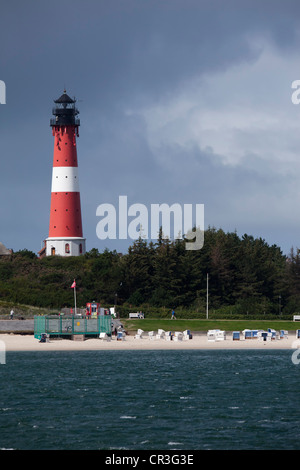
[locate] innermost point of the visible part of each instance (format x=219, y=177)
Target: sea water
x=150, y=400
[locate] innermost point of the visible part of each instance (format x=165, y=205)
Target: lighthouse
x=65, y=226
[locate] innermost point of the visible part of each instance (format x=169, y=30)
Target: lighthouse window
x=67, y=248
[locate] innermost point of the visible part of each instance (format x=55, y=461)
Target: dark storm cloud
x=120, y=58
x=131, y=49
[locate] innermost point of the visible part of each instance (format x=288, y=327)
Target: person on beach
x=12, y=314
x=173, y=315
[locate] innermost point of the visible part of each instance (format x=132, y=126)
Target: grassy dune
x=205, y=325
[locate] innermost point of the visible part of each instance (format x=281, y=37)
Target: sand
x=14, y=342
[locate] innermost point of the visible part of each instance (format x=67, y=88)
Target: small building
x=94, y=309
x=71, y=326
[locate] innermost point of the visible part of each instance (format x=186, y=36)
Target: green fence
x=63, y=325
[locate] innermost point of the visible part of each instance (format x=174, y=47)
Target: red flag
x=74, y=284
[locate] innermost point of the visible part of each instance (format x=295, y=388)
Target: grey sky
x=180, y=101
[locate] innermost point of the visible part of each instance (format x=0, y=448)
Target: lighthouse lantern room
x=65, y=226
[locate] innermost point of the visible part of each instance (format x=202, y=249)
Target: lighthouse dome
x=65, y=112
x=64, y=98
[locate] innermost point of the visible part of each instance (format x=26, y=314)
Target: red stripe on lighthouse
x=65, y=215
x=65, y=153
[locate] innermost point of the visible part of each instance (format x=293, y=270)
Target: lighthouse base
x=71, y=246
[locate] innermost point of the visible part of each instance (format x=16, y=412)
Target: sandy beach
x=15, y=342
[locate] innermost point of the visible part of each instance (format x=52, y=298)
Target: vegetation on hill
x=246, y=277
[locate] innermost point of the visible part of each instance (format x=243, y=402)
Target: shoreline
x=22, y=343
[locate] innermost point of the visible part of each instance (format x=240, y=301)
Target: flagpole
x=74, y=287
x=75, y=298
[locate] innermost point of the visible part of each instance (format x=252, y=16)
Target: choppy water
x=150, y=400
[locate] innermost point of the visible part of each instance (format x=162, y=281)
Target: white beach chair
x=211, y=335
x=186, y=335
x=220, y=335
x=284, y=334
x=160, y=334
x=168, y=336
x=261, y=334
x=139, y=334
x=177, y=336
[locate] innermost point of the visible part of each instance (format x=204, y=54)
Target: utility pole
x=207, y=296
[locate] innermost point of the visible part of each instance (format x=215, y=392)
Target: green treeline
x=246, y=277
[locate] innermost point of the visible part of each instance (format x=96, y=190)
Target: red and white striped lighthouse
x=65, y=227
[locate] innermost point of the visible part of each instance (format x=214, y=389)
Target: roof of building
x=4, y=250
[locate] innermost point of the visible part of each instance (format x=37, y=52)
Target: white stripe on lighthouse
x=65, y=179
